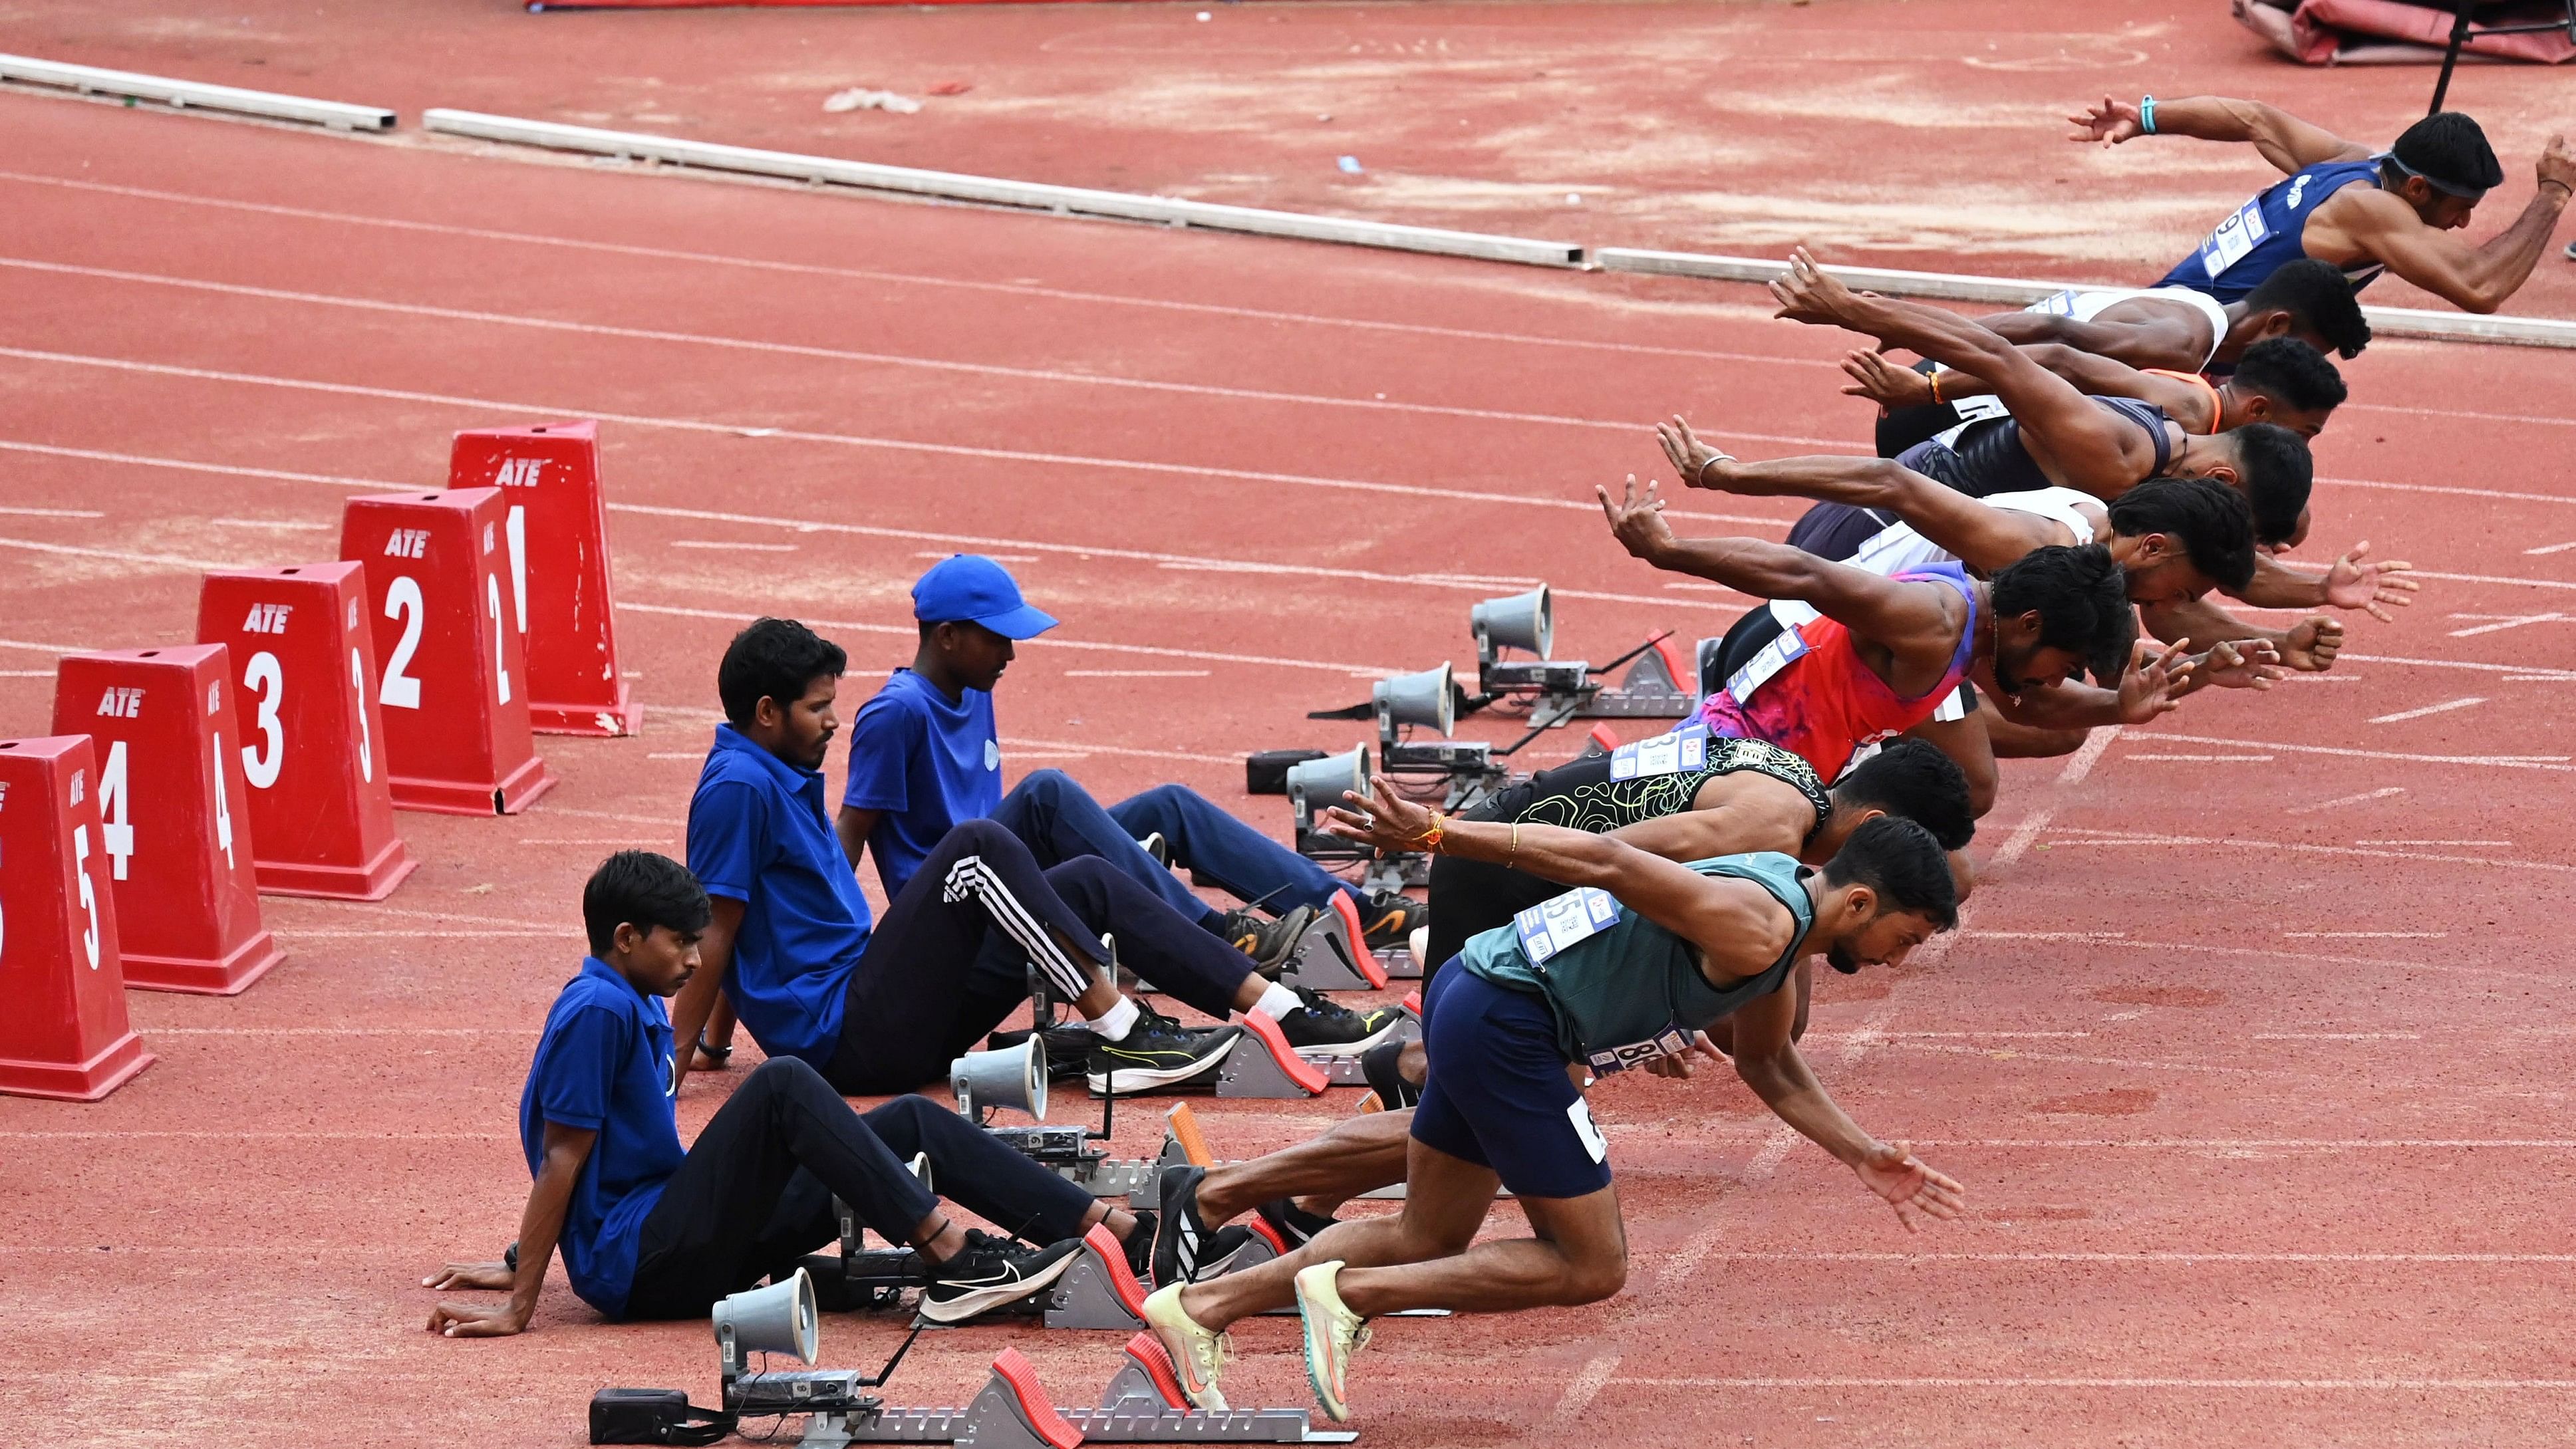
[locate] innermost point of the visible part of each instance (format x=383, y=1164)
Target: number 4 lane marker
x=2442, y=708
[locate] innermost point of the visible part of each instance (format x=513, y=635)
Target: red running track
x=2251, y=1056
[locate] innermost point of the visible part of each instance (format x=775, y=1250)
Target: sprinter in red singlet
x=1887, y=650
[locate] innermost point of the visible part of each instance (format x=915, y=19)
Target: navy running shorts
x=1497, y=1094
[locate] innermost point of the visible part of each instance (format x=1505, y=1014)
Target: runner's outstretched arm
x=2173, y=338
x=2097, y=452
x=1915, y=621
x=1888, y=385
x=2472, y=278
x=2286, y=141
x=1984, y=537
x=1768, y=1062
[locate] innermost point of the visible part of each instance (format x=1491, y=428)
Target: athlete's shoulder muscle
x=1746, y=929
x=2343, y=227
x=1762, y=813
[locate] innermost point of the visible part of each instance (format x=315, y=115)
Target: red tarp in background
x=2383, y=32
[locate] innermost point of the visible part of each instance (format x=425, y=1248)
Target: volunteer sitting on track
x=1887, y=650
x=2174, y=329
x=924, y=755
x=1623, y=970
x=2344, y=203
x=651, y=1230
x=1685, y=796
x=2056, y=436
x=884, y=1006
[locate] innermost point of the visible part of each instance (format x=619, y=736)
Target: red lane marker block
x=1265, y=1033
x=65, y=1033
x=1363, y=960
x=312, y=745
x=1019, y=1379
x=557, y=586
x=173, y=808
x=453, y=683
x=1146, y=1351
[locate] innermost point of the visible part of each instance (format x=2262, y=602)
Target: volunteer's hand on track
x=1885, y=383
x=1688, y=453
x=468, y=1276
x=2147, y=690
x=2110, y=123
x=2377, y=587
x=476, y=1320
x=2311, y=645
x=1896, y=1174
x=1637, y=519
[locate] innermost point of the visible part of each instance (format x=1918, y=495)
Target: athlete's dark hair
x=1903, y=863
x=2291, y=373
x=2082, y=598
x=2278, y=471
x=2210, y=519
x=2448, y=146
x=773, y=659
x=640, y=889
x=2320, y=301
x=1913, y=780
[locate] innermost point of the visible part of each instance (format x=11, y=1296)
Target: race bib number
x=1979, y=408
x=1684, y=751
x=1579, y=1113
x=1783, y=651
x=2235, y=237
x=1672, y=1041
x=1552, y=925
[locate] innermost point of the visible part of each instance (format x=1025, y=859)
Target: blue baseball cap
x=972, y=587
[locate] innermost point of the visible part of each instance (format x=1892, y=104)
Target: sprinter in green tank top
x=1623, y=970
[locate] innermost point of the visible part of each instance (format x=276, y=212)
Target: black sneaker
x=1158, y=1052
x=1140, y=1244
x=1294, y=1225
x=991, y=1272
x=1323, y=1029
x=1389, y=918
x=1378, y=1068
x=1269, y=941
x=1185, y=1247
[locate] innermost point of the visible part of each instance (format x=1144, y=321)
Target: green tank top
x=1624, y=990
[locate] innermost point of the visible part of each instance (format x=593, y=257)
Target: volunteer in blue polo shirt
x=649, y=1230
x=924, y=755
x=884, y=1006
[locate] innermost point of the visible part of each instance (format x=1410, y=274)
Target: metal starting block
x=1142, y=1405
x=1398, y=963
x=1099, y=1290
x=1069, y=1153
x=1653, y=687
x=1333, y=954
x=1263, y=1065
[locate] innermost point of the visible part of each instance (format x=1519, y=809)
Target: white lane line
x=934, y=555
x=2478, y=493
x=2206, y=759
x=2268, y=1144
x=1018, y=289
x=1587, y=1383
x=299, y=933
x=1792, y=1255
x=1135, y=674
x=52, y=512
x=2502, y=624
x=578, y=840
x=2461, y=664
x=2502, y=762
x=876, y=359
x=26, y=673
x=2550, y=548
x=44, y=648
x=981, y=543
x=2338, y=1036
x=2381, y=793
x=2465, y=702
x=298, y=903
x=739, y=617
x=2368, y=935
x=2535, y=679
x=732, y=546
x=1085, y=747
x=2432, y=842
x=306, y=1135
x=158, y=560
x=2018, y=1055
x=2265, y=953
x=619, y=815
x=801, y=435
x=2072, y=837
x=293, y=523
x=2497, y=579
x=2365, y=1385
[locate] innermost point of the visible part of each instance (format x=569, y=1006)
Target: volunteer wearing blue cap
x=2365, y=210
x=924, y=755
